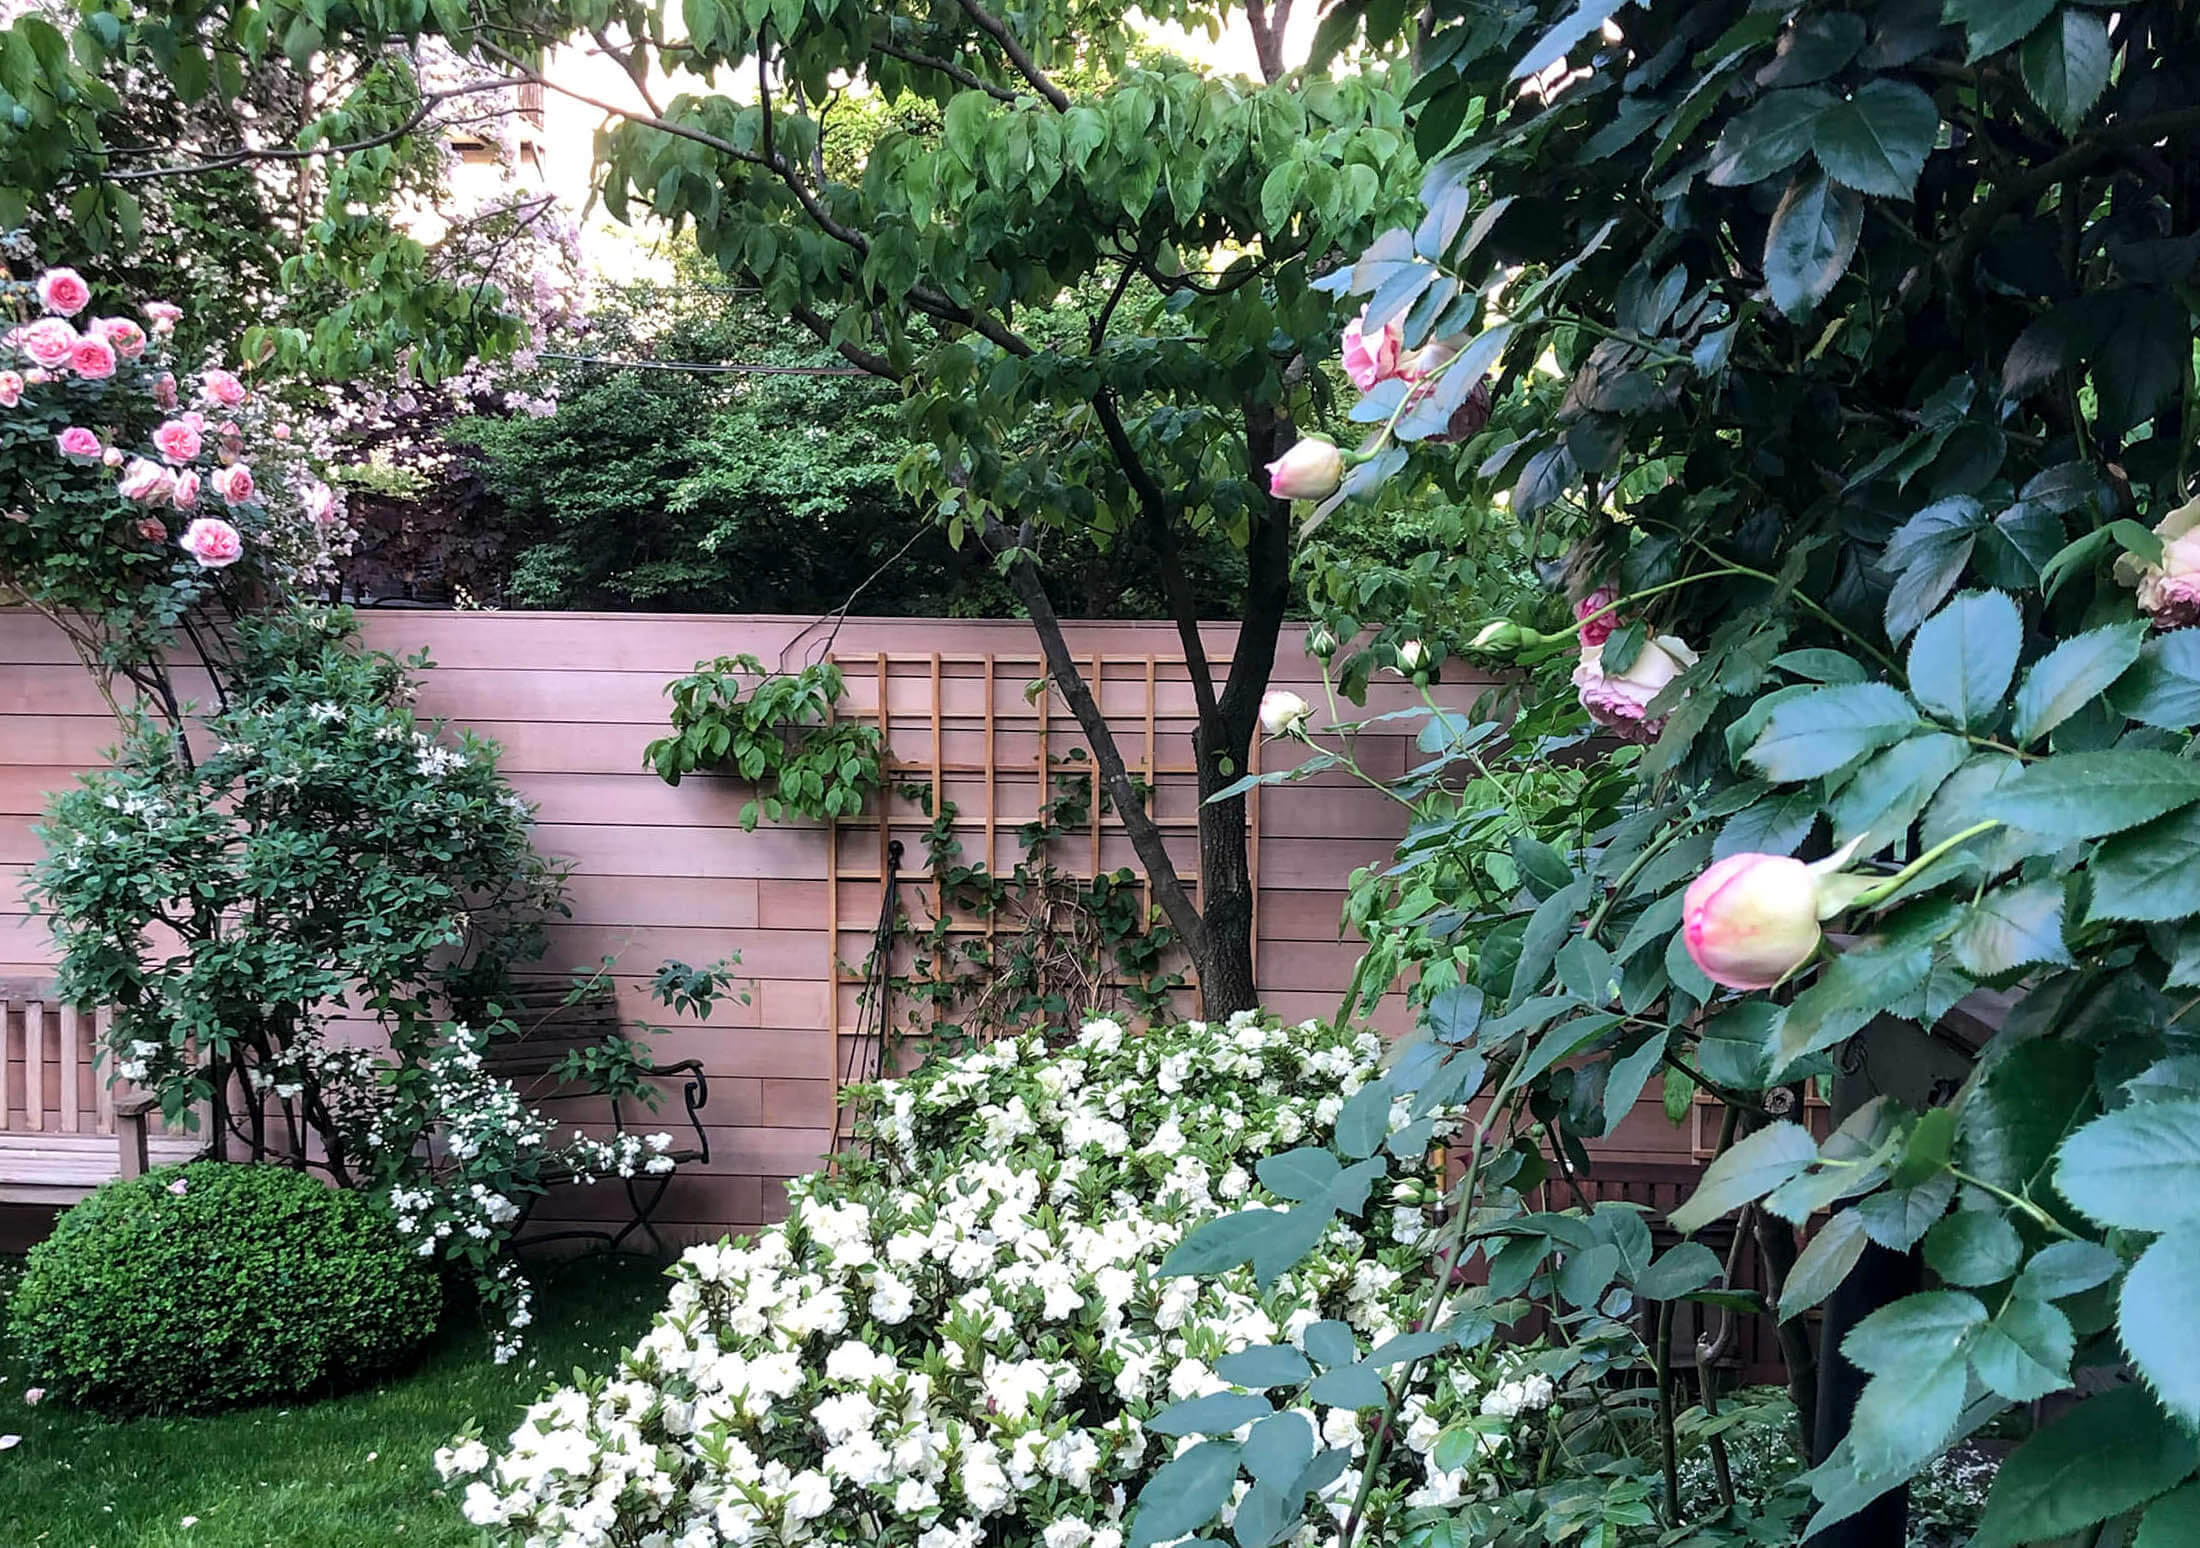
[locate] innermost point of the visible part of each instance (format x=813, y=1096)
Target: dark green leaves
x=1264, y=1365
x=1918, y=1351
x=1565, y=36
x=2025, y=1352
x=2065, y=65
x=2137, y=1167
x=1185, y=1494
x=1810, y=241
x=1964, y=656
x=1995, y=24
x=1822, y=1265
x=1877, y=141
x=2098, y=1460
x=1828, y=727
x=2012, y=927
x=2072, y=675
x=1217, y=1413
x=1747, y=1171
x=1773, y=134
x=2085, y=795
x=2149, y=874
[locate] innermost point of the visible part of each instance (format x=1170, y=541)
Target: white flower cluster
x=958, y=1339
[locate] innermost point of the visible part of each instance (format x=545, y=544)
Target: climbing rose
x=213, y=542
x=1617, y=702
x=126, y=336
x=178, y=440
x=11, y=389
x=2169, y=593
x=164, y=390
x=222, y=387
x=153, y=529
x=49, y=341
x=1283, y=712
x=1367, y=361
x=1311, y=470
x=1412, y=656
x=146, y=482
x=79, y=443
x=1596, y=630
x=93, y=359
x=1751, y=920
x=233, y=483
x=163, y=315
x=186, y=492
x=63, y=291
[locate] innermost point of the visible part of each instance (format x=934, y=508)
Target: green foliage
x=780, y=737
x=201, y=1287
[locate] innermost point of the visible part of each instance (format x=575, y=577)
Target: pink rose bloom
x=79, y=444
x=49, y=341
x=126, y=336
x=1369, y=361
x=2169, y=593
x=213, y=542
x=320, y=503
x=1310, y=470
x=112, y=457
x=1416, y=365
x=146, y=482
x=1595, y=631
x=93, y=359
x=11, y=389
x=164, y=390
x=281, y=432
x=152, y=529
x=1617, y=702
x=222, y=387
x=178, y=441
x=234, y=483
x=1751, y=920
x=163, y=315
x=63, y=292
x=186, y=492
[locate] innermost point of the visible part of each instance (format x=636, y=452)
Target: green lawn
x=347, y=1472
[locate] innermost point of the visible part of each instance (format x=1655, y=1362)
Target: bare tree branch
x=948, y=68
x=1018, y=55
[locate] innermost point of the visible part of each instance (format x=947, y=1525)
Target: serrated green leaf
x=2173, y=1521
x=2089, y=794
x=1896, y=1218
x=2149, y=874
x=1964, y=656
x=2137, y=1167
x=2022, y=1105
x=1678, y=1270
x=1823, y=1264
x=2065, y=65
x=1877, y=141
x=1918, y=1351
x=1746, y=1172
x=2154, y=1315
x=2067, y=1268
x=1973, y=1247
x=2012, y=927
x=1809, y=242
x=1882, y=799
x=1995, y=24
x=2072, y=675
x=2025, y=1352
x=2163, y=689
x=2096, y=1461
x=1829, y=727
x=1771, y=135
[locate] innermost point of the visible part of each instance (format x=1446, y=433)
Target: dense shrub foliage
x=205, y=1286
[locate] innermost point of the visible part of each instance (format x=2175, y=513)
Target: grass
x=345, y=1472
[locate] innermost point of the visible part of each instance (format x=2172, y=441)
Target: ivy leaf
x=2148, y=874
x=1831, y=726
x=2065, y=66
x=1746, y=1172
x=2090, y=794
x=2137, y=1167
x=2012, y=927
x=1877, y=141
x=1771, y=136
x=2097, y=1460
x=2072, y=675
x=1822, y=1265
x=2154, y=1315
x=1918, y=1351
x=1811, y=238
x=2025, y=1352
x=1995, y=24
x=1964, y=656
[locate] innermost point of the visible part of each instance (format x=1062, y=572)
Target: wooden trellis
x=978, y=751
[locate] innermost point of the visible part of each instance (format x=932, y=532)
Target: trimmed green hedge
x=210, y=1285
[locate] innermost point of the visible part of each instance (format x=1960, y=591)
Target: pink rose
x=163, y=315
x=186, y=492
x=11, y=389
x=281, y=431
x=93, y=359
x=1370, y=361
x=164, y=390
x=126, y=336
x=1617, y=702
x=1311, y=470
x=213, y=542
x=111, y=457
x=1751, y=920
x=178, y=441
x=1596, y=630
x=48, y=341
x=222, y=387
x=233, y=483
x=1468, y=418
x=63, y=292
x=320, y=503
x=145, y=482
x=152, y=529
x=2169, y=593
x=79, y=444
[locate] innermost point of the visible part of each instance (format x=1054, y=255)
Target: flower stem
x=1873, y=896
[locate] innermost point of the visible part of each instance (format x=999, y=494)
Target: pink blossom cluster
x=1620, y=701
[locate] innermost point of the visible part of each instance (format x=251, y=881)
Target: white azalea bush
x=963, y=1337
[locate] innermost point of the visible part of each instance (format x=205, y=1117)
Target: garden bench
x=552, y=1027
x=64, y=1129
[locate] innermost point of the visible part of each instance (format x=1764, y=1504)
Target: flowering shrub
x=967, y=1336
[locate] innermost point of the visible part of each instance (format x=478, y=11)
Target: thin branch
x=855, y=354
x=1017, y=54
x=2007, y=198
x=948, y=68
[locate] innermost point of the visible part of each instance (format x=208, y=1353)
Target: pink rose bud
x=1369, y=361
x=163, y=315
x=1467, y=419
x=281, y=431
x=222, y=388
x=112, y=457
x=1283, y=712
x=186, y=492
x=1596, y=624
x=146, y=482
x=48, y=342
x=11, y=389
x=1751, y=920
x=93, y=359
x=213, y=542
x=79, y=444
x=234, y=483
x=178, y=440
x=63, y=292
x=126, y=336
x=1311, y=470
x=164, y=390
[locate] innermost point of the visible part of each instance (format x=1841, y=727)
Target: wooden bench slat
x=70, y=1062
x=34, y=1064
